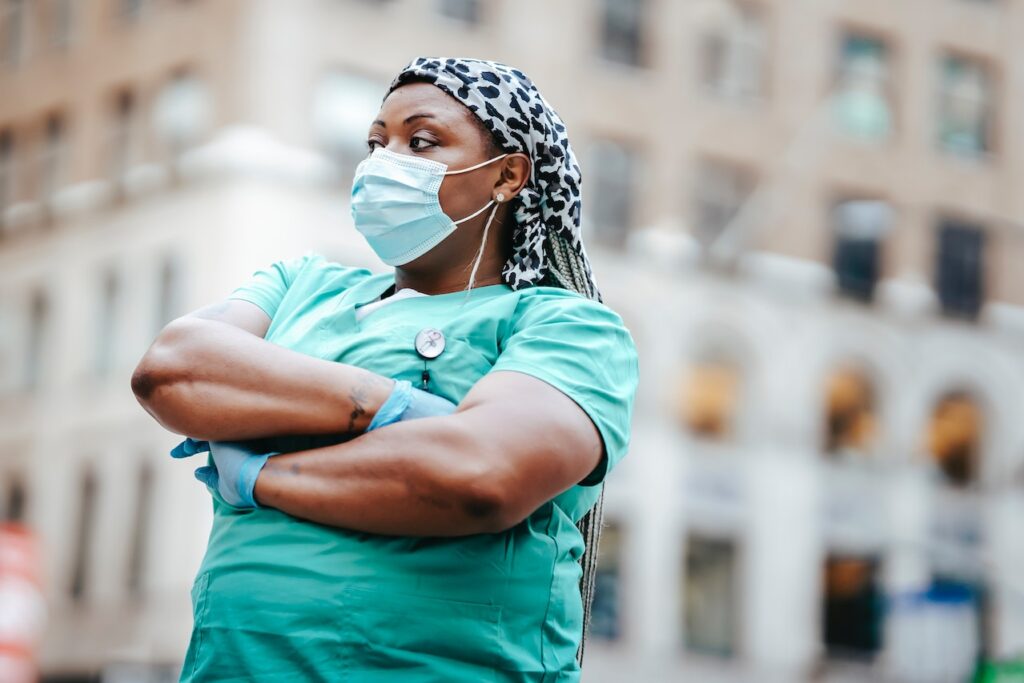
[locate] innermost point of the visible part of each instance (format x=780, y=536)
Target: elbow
x=161, y=366
x=487, y=501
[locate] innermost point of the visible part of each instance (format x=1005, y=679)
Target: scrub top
x=278, y=598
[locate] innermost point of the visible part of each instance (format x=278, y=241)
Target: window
x=734, y=53
x=140, y=531
x=722, y=188
x=953, y=437
x=169, y=297
x=123, y=135
x=7, y=170
x=466, y=11
x=966, y=107
x=61, y=20
x=82, y=557
x=710, y=394
x=622, y=31
x=850, y=423
x=859, y=227
x=131, y=9
x=181, y=112
x=12, y=31
x=606, y=612
x=710, y=601
x=852, y=607
x=960, y=268
x=344, y=106
x=110, y=294
x=862, y=105
x=613, y=168
x=15, y=501
x=36, y=341
x=52, y=158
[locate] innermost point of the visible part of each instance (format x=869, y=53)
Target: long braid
x=566, y=270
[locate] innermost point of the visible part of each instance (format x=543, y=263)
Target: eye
x=419, y=148
x=370, y=145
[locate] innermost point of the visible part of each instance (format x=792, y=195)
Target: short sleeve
x=582, y=348
x=267, y=287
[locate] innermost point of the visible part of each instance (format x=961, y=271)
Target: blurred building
x=807, y=211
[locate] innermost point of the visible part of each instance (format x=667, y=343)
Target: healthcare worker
x=402, y=464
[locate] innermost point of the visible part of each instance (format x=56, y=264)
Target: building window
x=610, y=204
x=131, y=9
x=15, y=502
x=623, y=31
x=83, y=540
x=466, y=11
x=954, y=437
x=734, y=52
x=181, y=112
x=966, y=107
x=61, y=22
x=850, y=423
x=721, y=190
x=862, y=105
x=110, y=294
x=859, y=227
x=140, y=531
x=853, y=607
x=710, y=600
x=7, y=171
x=12, y=31
x=344, y=106
x=123, y=135
x=37, y=339
x=606, y=612
x=169, y=295
x=960, y=268
x=52, y=158
x=710, y=394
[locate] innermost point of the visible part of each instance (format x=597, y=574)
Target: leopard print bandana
x=521, y=120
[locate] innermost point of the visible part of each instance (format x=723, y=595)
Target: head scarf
x=546, y=243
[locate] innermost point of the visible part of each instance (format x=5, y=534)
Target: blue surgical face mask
x=396, y=207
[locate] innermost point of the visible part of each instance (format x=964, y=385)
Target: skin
x=513, y=443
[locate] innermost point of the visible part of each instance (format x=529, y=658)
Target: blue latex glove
x=236, y=464
x=408, y=403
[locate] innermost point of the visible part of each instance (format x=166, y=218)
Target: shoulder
x=555, y=304
x=314, y=268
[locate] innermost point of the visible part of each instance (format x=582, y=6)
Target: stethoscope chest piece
x=429, y=343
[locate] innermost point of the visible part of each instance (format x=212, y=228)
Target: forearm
x=213, y=381
x=425, y=477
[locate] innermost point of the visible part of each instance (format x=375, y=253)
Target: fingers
x=189, y=447
x=207, y=475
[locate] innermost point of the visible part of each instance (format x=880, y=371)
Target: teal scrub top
x=278, y=598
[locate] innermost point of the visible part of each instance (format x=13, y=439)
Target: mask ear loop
x=483, y=242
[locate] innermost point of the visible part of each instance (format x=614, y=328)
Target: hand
x=408, y=403
x=236, y=466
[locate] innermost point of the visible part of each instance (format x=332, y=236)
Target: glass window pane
x=862, y=107
x=721, y=189
x=954, y=437
x=344, y=106
x=734, y=53
x=850, y=421
x=859, y=227
x=466, y=11
x=606, y=611
x=710, y=598
x=622, y=31
x=965, y=107
x=610, y=197
x=960, y=268
x=852, y=607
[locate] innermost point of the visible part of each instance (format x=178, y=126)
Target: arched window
x=850, y=422
x=709, y=397
x=953, y=437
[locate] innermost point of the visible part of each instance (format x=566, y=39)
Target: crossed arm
x=513, y=443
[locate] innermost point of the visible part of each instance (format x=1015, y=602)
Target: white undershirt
x=404, y=293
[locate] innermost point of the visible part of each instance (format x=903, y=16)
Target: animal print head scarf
x=546, y=244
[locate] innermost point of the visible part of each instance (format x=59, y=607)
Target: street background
x=810, y=214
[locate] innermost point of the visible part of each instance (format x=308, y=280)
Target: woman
x=381, y=547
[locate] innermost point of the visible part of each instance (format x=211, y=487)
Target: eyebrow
x=409, y=120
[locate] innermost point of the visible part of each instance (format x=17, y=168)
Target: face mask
x=396, y=208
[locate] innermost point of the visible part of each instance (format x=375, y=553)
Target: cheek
x=458, y=195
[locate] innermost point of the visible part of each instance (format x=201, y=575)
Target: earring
x=500, y=198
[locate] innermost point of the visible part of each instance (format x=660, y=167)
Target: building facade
x=807, y=211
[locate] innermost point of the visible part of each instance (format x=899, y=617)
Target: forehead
x=422, y=98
